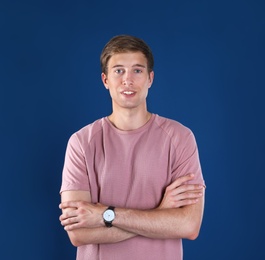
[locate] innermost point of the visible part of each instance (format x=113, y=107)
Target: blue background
x=209, y=75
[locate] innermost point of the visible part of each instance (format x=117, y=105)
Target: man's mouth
x=128, y=92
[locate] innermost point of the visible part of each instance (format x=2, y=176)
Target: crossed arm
x=179, y=215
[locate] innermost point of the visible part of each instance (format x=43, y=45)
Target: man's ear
x=104, y=80
x=151, y=78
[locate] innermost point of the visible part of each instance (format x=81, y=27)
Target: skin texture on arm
x=167, y=223
x=99, y=235
x=178, y=216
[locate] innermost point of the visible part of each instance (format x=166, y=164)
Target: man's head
x=125, y=44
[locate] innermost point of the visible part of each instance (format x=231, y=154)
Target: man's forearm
x=162, y=223
x=157, y=223
x=101, y=235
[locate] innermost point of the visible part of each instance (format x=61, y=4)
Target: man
x=132, y=185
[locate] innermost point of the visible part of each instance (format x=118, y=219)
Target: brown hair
x=123, y=44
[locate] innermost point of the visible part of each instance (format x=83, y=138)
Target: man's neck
x=129, y=120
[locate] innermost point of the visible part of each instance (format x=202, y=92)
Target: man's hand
x=179, y=194
x=81, y=214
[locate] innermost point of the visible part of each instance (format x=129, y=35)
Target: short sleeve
x=187, y=159
x=74, y=176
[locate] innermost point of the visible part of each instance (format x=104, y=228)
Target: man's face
x=128, y=80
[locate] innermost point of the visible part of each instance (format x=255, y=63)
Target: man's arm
x=169, y=223
x=82, y=236
x=176, y=217
x=181, y=212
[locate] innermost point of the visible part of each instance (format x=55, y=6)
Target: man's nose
x=127, y=79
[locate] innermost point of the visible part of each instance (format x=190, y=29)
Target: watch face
x=109, y=215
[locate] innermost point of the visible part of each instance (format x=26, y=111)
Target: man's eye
x=118, y=71
x=137, y=71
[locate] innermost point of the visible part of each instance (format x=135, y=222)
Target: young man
x=132, y=184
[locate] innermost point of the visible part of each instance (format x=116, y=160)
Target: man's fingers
x=187, y=188
x=183, y=203
x=69, y=204
x=69, y=221
x=69, y=214
x=185, y=199
x=188, y=195
x=180, y=181
x=71, y=227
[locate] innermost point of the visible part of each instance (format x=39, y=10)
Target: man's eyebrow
x=116, y=66
x=139, y=65
x=135, y=65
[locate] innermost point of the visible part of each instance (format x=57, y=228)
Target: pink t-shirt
x=130, y=169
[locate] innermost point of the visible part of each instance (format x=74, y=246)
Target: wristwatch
x=109, y=216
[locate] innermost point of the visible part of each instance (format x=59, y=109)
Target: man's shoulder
x=178, y=134
x=92, y=127
x=88, y=132
x=171, y=126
